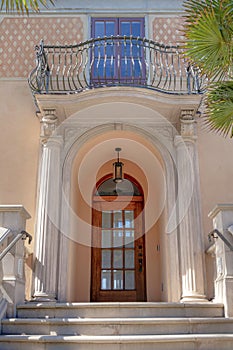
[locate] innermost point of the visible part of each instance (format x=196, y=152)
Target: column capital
x=48, y=121
x=188, y=125
x=187, y=114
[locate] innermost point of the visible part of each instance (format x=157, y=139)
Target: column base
x=194, y=298
x=44, y=297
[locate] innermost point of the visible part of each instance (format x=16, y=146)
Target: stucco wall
x=216, y=171
x=19, y=147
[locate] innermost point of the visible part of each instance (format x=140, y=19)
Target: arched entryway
x=92, y=165
x=118, y=271
x=81, y=152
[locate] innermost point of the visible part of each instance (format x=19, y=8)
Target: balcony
x=114, y=61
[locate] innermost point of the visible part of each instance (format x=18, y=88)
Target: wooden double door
x=118, y=250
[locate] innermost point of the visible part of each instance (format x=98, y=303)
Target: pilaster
x=48, y=212
x=190, y=227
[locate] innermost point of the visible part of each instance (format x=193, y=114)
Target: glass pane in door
x=129, y=259
x=106, y=241
x=117, y=250
x=118, y=238
x=106, y=219
x=129, y=279
x=106, y=259
x=118, y=279
x=117, y=219
x=118, y=259
x=105, y=279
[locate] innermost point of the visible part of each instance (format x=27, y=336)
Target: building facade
x=105, y=81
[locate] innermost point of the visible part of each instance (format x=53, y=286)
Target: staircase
x=117, y=326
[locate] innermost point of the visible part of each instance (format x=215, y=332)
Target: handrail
x=114, y=61
x=22, y=235
x=4, y=233
x=221, y=236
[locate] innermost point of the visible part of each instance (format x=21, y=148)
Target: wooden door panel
x=118, y=252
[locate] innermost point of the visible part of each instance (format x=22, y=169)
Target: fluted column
x=190, y=227
x=47, y=227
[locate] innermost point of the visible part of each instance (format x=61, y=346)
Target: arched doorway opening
x=142, y=162
x=118, y=271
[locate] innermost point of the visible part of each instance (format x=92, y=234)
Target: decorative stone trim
x=16, y=208
x=218, y=208
x=187, y=114
x=188, y=124
x=48, y=122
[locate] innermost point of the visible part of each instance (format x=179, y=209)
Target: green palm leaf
x=209, y=35
x=209, y=45
x=23, y=6
x=219, y=108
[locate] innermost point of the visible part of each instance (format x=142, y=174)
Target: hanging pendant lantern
x=118, y=168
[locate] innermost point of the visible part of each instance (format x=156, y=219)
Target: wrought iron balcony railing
x=114, y=61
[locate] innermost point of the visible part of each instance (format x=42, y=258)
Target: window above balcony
x=117, y=26
x=123, y=62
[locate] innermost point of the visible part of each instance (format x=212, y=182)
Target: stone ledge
x=220, y=207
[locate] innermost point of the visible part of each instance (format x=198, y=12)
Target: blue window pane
x=136, y=28
x=110, y=28
x=109, y=68
x=137, y=68
x=99, y=29
x=137, y=49
x=98, y=68
x=125, y=28
x=110, y=49
x=126, y=68
x=99, y=49
x=125, y=49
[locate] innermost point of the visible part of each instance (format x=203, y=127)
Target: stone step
x=119, y=310
x=139, y=342
x=117, y=326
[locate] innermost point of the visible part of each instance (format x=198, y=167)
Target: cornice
x=15, y=208
x=220, y=207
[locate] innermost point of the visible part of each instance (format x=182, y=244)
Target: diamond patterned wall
x=18, y=37
x=168, y=30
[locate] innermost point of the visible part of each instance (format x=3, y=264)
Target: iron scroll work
x=114, y=61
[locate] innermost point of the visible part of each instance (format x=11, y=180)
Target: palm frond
x=219, y=108
x=23, y=6
x=209, y=35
